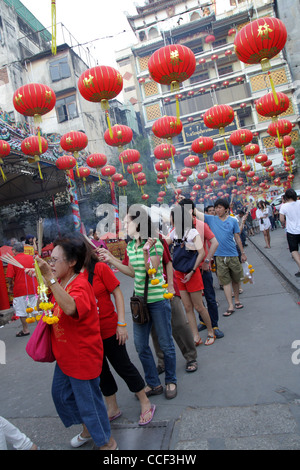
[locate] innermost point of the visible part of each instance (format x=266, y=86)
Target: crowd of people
x=87, y=298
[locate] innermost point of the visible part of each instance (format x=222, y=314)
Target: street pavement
x=244, y=396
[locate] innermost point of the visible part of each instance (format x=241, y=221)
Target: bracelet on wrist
x=121, y=324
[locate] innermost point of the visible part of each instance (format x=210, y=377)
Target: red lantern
x=218, y=117
x=228, y=53
x=171, y=65
x=241, y=137
x=84, y=172
x=181, y=179
x=34, y=146
x=203, y=145
x=66, y=162
x=162, y=165
x=220, y=156
x=145, y=197
x=134, y=168
x=191, y=161
x=231, y=32
x=117, y=177
x=74, y=141
x=212, y=168
x=225, y=83
x=245, y=168
x=260, y=40
x=186, y=172
x=34, y=99
x=261, y=158
x=100, y=84
x=202, y=175
x=202, y=61
x=235, y=164
x=267, y=106
x=4, y=152
x=209, y=39
x=286, y=141
x=214, y=57
x=251, y=149
x=164, y=151
x=280, y=128
x=97, y=160
x=108, y=170
x=224, y=172
x=167, y=127
x=129, y=156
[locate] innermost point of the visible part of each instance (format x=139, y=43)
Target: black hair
x=222, y=202
x=187, y=202
x=208, y=207
x=144, y=224
x=291, y=194
x=74, y=248
x=181, y=220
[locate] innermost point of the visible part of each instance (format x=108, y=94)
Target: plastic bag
x=248, y=273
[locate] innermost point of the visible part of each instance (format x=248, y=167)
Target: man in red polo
x=22, y=286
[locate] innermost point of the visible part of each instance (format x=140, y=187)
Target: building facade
x=219, y=78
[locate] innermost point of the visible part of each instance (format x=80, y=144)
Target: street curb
x=281, y=270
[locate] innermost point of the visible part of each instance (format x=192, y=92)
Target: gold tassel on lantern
x=273, y=88
x=53, y=18
x=2, y=174
x=175, y=86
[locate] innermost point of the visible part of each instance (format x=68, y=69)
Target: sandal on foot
x=228, y=313
x=152, y=410
x=197, y=343
x=154, y=391
x=191, y=366
x=238, y=305
x=210, y=340
x=21, y=333
x=79, y=441
x=112, y=418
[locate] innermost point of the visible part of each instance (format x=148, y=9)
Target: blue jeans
x=210, y=296
x=160, y=317
x=80, y=401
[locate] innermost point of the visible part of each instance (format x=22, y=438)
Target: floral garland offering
x=45, y=306
x=155, y=281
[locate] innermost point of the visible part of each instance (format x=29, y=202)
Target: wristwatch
x=52, y=281
x=206, y=260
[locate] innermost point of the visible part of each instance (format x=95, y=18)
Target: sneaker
x=218, y=333
x=79, y=441
x=201, y=326
x=297, y=274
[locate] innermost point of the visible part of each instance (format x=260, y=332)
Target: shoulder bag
x=39, y=345
x=183, y=259
x=138, y=305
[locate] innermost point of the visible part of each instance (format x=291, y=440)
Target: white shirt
x=291, y=210
x=189, y=235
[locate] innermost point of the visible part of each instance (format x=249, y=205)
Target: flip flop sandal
x=21, y=333
x=152, y=411
x=197, y=343
x=238, y=305
x=112, y=418
x=228, y=313
x=210, y=340
x=191, y=366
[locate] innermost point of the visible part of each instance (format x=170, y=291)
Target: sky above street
x=99, y=21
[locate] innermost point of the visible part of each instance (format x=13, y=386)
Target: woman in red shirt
x=76, y=344
x=114, y=335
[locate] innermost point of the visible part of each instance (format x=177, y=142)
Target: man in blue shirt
x=229, y=268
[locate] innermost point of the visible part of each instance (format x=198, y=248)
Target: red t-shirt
x=76, y=341
x=23, y=284
x=253, y=213
x=205, y=234
x=104, y=283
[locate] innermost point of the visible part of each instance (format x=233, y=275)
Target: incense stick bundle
x=40, y=231
x=89, y=241
x=9, y=259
